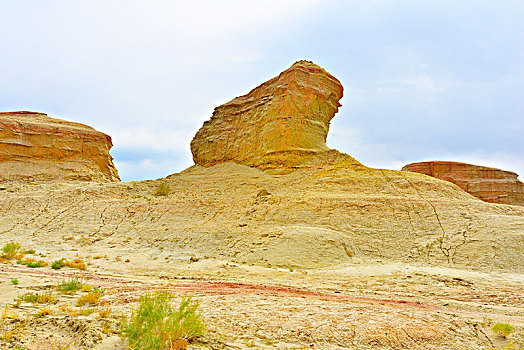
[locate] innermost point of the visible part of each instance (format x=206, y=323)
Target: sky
x=423, y=80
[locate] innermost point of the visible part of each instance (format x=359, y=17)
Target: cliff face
x=277, y=126
x=35, y=147
x=489, y=184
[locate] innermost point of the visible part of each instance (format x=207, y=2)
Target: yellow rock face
x=277, y=126
x=35, y=147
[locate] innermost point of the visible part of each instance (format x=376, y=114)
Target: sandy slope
x=330, y=256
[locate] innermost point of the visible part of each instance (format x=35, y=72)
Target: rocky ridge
x=35, y=147
x=489, y=184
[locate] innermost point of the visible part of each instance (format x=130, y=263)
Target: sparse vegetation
x=75, y=264
x=70, y=286
x=58, y=264
x=14, y=281
x=11, y=250
x=36, y=298
x=162, y=189
x=104, y=313
x=29, y=262
x=503, y=329
x=92, y=297
x=156, y=325
x=44, y=312
x=87, y=311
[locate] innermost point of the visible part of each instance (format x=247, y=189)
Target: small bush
x=156, y=325
x=162, y=189
x=58, y=264
x=15, y=281
x=36, y=298
x=76, y=264
x=29, y=251
x=70, y=286
x=11, y=251
x=503, y=329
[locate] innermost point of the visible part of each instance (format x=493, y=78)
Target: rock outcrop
x=324, y=209
x=489, y=184
x=35, y=147
x=278, y=126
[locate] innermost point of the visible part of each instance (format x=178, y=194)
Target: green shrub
x=503, y=329
x=38, y=263
x=11, y=250
x=15, y=281
x=70, y=286
x=58, y=264
x=156, y=325
x=162, y=189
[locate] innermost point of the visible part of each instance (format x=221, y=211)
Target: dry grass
x=76, y=264
x=162, y=189
x=92, y=298
x=44, y=312
x=104, y=313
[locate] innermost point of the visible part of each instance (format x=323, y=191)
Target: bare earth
x=358, y=306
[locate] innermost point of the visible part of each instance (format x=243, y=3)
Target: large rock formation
x=489, y=184
x=330, y=210
x=35, y=147
x=278, y=126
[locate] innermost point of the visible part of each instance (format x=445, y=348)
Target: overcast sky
x=424, y=80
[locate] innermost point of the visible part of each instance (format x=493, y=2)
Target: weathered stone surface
x=312, y=217
x=35, y=147
x=278, y=126
x=489, y=184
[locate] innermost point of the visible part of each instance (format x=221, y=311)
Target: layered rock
x=330, y=210
x=35, y=147
x=279, y=125
x=489, y=184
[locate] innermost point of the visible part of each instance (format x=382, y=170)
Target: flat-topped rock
x=489, y=184
x=35, y=147
x=280, y=125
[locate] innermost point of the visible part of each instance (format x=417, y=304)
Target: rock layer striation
x=489, y=184
x=279, y=125
x=35, y=147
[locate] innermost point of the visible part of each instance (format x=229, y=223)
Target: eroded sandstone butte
x=329, y=211
x=278, y=126
x=489, y=184
x=35, y=147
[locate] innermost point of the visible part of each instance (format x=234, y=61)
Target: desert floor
x=365, y=305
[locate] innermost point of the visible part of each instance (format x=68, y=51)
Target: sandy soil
x=366, y=305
